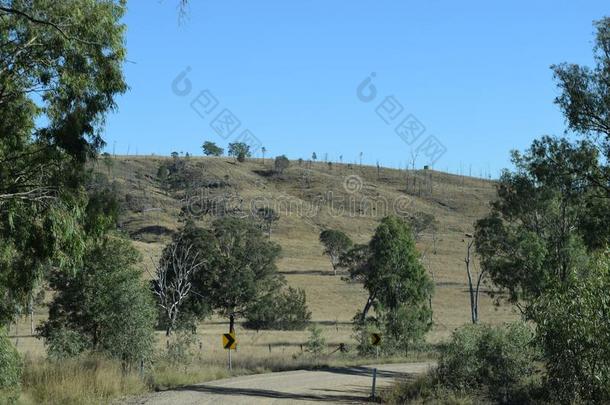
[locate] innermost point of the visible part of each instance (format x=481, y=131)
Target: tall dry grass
x=83, y=380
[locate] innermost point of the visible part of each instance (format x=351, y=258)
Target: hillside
x=310, y=197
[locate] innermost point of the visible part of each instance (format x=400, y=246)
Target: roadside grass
x=83, y=380
x=94, y=379
x=167, y=376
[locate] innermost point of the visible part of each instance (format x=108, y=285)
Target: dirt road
x=338, y=385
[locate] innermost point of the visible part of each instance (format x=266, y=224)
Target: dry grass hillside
x=309, y=197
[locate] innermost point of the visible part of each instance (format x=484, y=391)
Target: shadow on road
x=252, y=392
x=348, y=395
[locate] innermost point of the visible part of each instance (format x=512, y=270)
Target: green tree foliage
x=238, y=266
x=211, y=149
x=497, y=360
x=240, y=151
x=398, y=285
x=545, y=220
x=286, y=310
x=281, y=163
x=316, y=341
x=336, y=244
x=61, y=70
x=10, y=369
x=573, y=330
x=105, y=302
x=585, y=98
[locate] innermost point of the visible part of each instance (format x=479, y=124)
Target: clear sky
x=474, y=74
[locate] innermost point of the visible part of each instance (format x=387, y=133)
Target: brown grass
x=454, y=200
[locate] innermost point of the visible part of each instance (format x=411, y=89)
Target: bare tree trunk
x=32, y=320
x=367, y=307
x=470, y=286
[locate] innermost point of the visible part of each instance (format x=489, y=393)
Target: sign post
x=229, y=342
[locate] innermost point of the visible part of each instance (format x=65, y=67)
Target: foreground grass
x=97, y=380
x=91, y=380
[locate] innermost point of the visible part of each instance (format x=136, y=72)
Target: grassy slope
x=455, y=201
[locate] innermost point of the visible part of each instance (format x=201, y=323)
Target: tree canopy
x=211, y=149
x=61, y=71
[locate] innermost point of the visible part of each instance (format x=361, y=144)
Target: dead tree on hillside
x=172, y=279
x=473, y=288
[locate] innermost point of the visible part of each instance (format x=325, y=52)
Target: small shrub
x=427, y=390
x=495, y=360
x=10, y=369
x=316, y=342
x=179, y=349
x=63, y=343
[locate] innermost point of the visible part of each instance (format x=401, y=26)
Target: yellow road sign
x=229, y=341
x=375, y=339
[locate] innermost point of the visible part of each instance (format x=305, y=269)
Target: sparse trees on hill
x=240, y=151
x=211, y=149
x=336, y=243
x=268, y=216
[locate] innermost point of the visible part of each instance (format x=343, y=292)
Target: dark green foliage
x=239, y=265
x=105, y=302
x=10, y=369
x=498, y=361
x=573, y=331
x=281, y=163
x=398, y=286
x=240, y=151
x=211, y=149
x=55, y=92
x=286, y=310
x=540, y=229
x=63, y=343
x=336, y=244
x=584, y=98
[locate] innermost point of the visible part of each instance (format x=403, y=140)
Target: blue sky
x=475, y=75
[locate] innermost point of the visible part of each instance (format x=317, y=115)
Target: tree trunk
x=231, y=323
x=367, y=307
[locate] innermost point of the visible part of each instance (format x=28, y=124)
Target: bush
x=573, y=331
x=316, y=342
x=64, y=343
x=495, y=360
x=105, y=306
x=179, y=348
x=427, y=390
x=284, y=311
x=10, y=369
